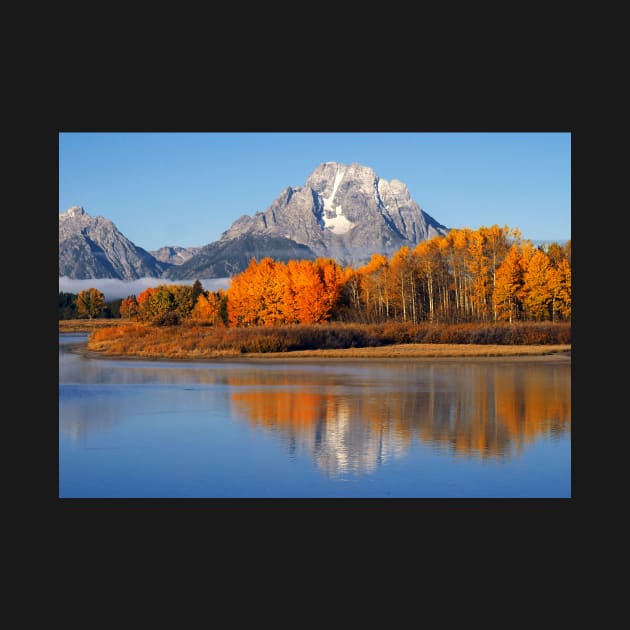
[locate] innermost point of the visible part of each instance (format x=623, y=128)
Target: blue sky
x=187, y=188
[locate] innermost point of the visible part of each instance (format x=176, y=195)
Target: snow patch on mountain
x=334, y=218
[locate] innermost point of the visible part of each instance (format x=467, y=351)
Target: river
x=396, y=428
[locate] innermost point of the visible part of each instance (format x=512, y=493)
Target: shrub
x=168, y=318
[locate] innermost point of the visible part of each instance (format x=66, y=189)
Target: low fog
x=113, y=288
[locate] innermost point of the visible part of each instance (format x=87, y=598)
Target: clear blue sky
x=187, y=188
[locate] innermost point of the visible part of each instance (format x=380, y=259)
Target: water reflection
x=349, y=418
x=354, y=422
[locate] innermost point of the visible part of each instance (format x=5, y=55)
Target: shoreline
x=430, y=352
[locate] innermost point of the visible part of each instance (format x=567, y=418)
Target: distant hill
x=173, y=254
x=226, y=258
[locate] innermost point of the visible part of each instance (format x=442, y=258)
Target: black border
x=398, y=517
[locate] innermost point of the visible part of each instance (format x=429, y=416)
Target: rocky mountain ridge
x=343, y=211
x=92, y=247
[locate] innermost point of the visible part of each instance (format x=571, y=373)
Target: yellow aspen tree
x=508, y=286
x=270, y=281
x=243, y=302
x=352, y=288
x=457, y=240
x=375, y=288
x=207, y=308
x=537, y=295
x=478, y=266
x=497, y=243
x=403, y=279
x=446, y=282
x=559, y=279
x=428, y=263
x=129, y=307
x=333, y=278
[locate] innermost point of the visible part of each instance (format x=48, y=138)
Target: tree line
x=88, y=304
x=485, y=275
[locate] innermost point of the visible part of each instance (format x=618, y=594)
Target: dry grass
x=194, y=342
x=419, y=350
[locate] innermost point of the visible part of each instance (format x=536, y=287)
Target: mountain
x=92, y=247
x=345, y=212
x=228, y=257
x=173, y=254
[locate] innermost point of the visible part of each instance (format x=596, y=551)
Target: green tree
x=112, y=309
x=67, y=305
x=90, y=303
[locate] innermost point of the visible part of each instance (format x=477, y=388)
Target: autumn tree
x=183, y=299
x=537, y=294
x=144, y=302
x=427, y=261
x=90, y=303
x=374, y=288
x=565, y=288
x=559, y=282
x=333, y=278
x=208, y=308
x=129, y=307
x=155, y=302
x=456, y=255
x=403, y=283
x=352, y=295
x=508, y=286
x=467, y=275
x=257, y=295
x=556, y=253
x=308, y=293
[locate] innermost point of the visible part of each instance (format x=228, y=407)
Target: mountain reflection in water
x=347, y=417
x=353, y=425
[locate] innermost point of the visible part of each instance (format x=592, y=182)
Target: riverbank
x=421, y=351
x=338, y=341
x=88, y=325
x=394, y=351
x=434, y=352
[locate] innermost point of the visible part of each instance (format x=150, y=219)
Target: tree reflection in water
x=349, y=417
x=486, y=411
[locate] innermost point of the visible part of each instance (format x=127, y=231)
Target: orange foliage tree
x=537, y=294
x=308, y=292
x=508, y=286
x=208, y=308
x=468, y=275
x=129, y=307
x=257, y=295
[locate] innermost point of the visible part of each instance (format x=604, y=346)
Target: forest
x=469, y=276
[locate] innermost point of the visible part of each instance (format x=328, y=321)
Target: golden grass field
x=419, y=350
x=122, y=338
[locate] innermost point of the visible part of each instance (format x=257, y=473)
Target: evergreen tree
x=197, y=290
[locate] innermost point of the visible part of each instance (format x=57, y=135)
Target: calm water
x=398, y=428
